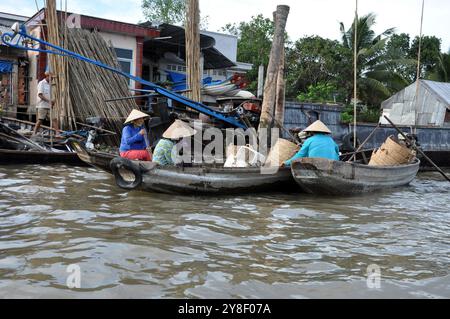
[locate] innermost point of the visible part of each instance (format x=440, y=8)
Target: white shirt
x=44, y=89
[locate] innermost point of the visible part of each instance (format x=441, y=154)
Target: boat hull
x=210, y=180
x=325, y=177
x=11, y=157
x=96, y=159
x=196, y=179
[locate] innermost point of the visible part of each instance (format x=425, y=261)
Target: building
x=227, y=45
x=14, y=82
x=127, y=39
x=143, y=50
x=431, y=106
x=166, y=53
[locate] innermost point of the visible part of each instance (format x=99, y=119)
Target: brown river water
x=146, y=245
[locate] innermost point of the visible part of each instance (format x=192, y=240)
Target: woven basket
x=282, y=151
x=391, y=153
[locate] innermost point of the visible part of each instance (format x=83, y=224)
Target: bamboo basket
x=391, y=153
x=282, y=151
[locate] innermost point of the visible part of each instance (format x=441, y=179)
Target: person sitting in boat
x=135, y=145
x=319, y=145
x=165, y=150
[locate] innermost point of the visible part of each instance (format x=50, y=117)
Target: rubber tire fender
x=119, y=163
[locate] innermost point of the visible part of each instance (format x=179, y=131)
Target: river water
x=57, y=222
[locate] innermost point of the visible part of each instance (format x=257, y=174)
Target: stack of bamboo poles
x=193, y=56
x=91, y=86
x=63, y=110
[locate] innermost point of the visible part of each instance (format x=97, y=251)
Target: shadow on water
x=277, y=245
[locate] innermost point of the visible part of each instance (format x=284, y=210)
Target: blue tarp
x=5, y=66
x=179, y=81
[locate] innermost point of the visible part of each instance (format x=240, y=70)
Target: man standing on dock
x=45, y=103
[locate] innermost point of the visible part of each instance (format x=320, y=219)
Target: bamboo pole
x=91, y=86
x=193, y=56
x=419, y=57
x=270, y=88
x=355, y=71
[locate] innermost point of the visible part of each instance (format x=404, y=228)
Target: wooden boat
x=100, y=160
x=325, y=177
x=195, y=179
x=17, y=149
x=13, y=157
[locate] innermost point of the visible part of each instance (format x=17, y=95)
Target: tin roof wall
x=440, y=89
x=428, y=107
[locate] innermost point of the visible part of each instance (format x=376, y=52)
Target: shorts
x=141, y=155
x=43, y=114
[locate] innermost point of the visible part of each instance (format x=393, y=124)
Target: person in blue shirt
x=319, y=145
x=134, y=145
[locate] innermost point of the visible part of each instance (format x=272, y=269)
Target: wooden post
x=260, y=81
x=192, y=32
x=270, y=89
x=281, y=92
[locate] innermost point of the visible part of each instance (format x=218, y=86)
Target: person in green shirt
x=164, y=150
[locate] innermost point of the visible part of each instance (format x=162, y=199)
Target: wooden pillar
x=139, y=60
x=193, y=49
x=281, y=93
x=260, y=81
x=270, y=89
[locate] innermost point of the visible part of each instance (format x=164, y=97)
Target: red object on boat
x=252, y=107
x=141, y=155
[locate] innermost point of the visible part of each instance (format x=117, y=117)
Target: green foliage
x=441, y=71
x=255, y=42
x=364, y=114
x=167, y=11
x=312, y=60
x=320, y=70
x=430, y=52
x=319, y=93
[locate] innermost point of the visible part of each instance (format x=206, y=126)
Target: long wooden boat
x=13, y=157
x=17, y=149
x=195, y=179
x=325, y=177
x=100, y=160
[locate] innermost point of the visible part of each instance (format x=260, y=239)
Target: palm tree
x=377, y=79
x=442, y=70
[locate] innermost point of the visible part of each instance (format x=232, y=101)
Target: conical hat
x=318, y=126
x=178, y=130
x=135, y=115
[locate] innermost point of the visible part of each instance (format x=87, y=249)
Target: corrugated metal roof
x=441, y=89
x=4, y=29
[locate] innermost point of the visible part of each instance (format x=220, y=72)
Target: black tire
x=348, y=142
x=122, y=169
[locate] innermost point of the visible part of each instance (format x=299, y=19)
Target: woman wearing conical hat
x=134, y=145
x=163, y=154
x=319, y=145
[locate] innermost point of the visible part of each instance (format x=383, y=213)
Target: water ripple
x=134, y=244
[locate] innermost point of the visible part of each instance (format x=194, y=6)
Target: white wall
x=226, y=44
x=32, y=58
x=120, y=41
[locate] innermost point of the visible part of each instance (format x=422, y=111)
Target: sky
x=307, y=17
